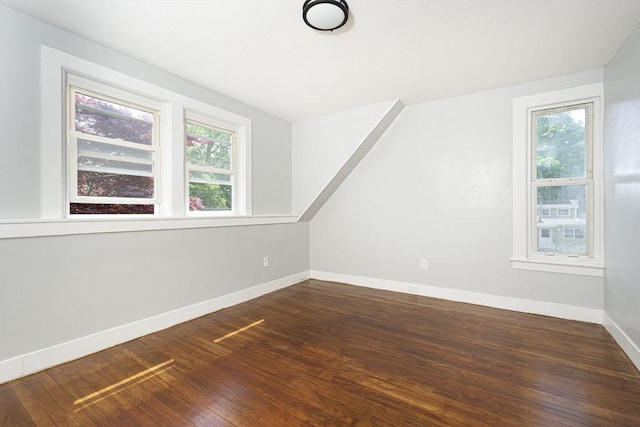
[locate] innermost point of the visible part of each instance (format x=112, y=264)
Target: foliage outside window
x=113, y=155
x=210, y=153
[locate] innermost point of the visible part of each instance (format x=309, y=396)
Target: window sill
x=565, y=266
x=14, y=229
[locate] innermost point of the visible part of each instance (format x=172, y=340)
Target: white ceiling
x=260, y=51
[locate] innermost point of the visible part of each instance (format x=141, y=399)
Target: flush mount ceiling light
x=325, y=15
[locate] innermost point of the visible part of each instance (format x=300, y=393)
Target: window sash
x=74, y=136
x=212, y=124
x=587, y=180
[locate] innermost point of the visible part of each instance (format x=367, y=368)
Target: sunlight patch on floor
x=238, y=331
x=118, y=387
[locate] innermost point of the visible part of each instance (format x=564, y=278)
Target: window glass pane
x=560, y=200
x=100, y=157
x=209, y=177
x=209, y=197
x=100, y=184
x=97, y=208
x=208, y=146
x=560, y=144
x=100, y=117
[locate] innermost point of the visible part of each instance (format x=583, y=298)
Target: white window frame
x=75, y=84
x=523, y=218
x=57, y=67
x=238, y=168
x=563, y=210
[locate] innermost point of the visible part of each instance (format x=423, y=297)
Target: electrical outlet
x=424, y=264
x=265, y=262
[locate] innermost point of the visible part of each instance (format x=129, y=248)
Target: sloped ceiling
x=260, y=52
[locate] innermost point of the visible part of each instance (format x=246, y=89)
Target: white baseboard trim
x=562, y=311
x=623, y=340
x=39, y=360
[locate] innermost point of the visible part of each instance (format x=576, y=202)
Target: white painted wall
x=57, y=289
x=438, y=186
x=622, y=189
x=322, y=145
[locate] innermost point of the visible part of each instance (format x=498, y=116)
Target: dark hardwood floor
x=325, y=354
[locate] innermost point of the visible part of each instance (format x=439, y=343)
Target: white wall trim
x=563, y=311
x=13, y=229
x=623, y=340
x=560, y=266
x=38, y=360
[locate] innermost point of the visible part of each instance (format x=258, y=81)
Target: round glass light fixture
x=325, y=15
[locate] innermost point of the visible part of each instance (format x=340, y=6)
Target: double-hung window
x=557, y=181
x=132, y=148
x=210, y=153
x=562, y=176
x=113, y=151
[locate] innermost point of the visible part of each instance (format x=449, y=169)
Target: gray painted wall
x=438, y=185
x=20, y=39
x=55, y=289
x=622, y=188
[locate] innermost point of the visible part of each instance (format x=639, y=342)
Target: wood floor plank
x=12, y=413
x=326, y=354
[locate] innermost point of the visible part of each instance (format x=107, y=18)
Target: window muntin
x=561, y=177
x=113, y=152
x=211, y=156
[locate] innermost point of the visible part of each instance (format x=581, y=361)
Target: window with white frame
x=113, y=150
x=123, y=151
x=210, y=155
x=558, y=167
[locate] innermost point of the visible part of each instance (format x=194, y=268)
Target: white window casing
x=237, y=170
x=525, y=255
x=172, y=211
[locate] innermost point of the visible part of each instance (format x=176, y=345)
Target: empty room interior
x=320, y=212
